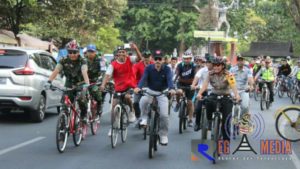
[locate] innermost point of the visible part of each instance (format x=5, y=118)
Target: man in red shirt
x=138, y=70
x=121, y=70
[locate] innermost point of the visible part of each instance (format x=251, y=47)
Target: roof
x=273, y=49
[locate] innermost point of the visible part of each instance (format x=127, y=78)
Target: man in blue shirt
x=158, y=77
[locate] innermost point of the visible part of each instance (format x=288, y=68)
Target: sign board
x=209, y=34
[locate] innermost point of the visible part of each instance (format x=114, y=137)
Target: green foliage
x=107, y=38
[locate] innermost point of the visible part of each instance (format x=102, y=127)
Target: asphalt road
x=26, y=145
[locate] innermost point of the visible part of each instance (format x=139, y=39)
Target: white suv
x=23, y=73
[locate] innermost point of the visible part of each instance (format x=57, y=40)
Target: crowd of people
x=195, y=76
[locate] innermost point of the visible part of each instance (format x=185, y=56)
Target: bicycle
x=183, y=113
x=153, y=122
x=296, y=91
x=265, y=97
x=216, y=133
x=69, y=120
x=283, y=86
x=120, y=118
x=288, y=123
x=256, y=92
x=93, y=113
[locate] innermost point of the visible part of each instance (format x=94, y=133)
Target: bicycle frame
x=73, y=113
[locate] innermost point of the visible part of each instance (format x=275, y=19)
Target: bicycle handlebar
x=144, y=91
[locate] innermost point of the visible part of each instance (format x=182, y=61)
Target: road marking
x=295, y=159
x=4, y=151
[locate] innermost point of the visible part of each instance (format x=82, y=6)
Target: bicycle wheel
x=204, y=124
x=95, y=119
x=115, y=125
x=182, y=117
x=216, y=136
x=152, y=134
x=84, y=127
x=61, y=132
x=267, y=100
x=294, y=97
x=256, y=93
x=77, y=135
x=287, y=124
x=263, y=100
x=281, y=91
x=124, y=125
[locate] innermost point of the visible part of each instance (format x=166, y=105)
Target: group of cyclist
x=195, y=77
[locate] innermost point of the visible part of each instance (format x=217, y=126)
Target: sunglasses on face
x=158, y=59
x=72, y=52
x=90, y=51
x=219, y=64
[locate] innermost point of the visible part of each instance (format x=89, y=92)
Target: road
x=26, y=145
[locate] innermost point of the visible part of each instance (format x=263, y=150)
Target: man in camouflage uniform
x=94, y=72
x=74, y=67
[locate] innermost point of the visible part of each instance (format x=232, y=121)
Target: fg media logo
x=254, y=127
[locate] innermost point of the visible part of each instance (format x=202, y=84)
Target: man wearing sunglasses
x=186, y=71
x=94, y=72
x=158, y=78
x=138, y=70
x=74, y=67
x=121, y=70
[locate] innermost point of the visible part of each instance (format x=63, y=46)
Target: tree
x=14, y=13
x=294, y=9
x=107, y=38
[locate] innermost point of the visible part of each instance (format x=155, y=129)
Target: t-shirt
x=241, y=76
x=186, y=72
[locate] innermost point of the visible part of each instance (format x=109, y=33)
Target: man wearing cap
x=94, y=72
x=186, y=71
x=158, y=78
x=244, y=81
x=200, y=77
x=267, y=74
x=138, y=70
x=296, y=72
x=122, y=73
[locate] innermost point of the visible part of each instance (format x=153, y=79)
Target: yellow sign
x=209, y=34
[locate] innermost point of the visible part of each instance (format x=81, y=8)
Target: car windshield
x=12, y=60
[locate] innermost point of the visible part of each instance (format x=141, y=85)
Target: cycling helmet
x=218, y=60
x=147, y=53
x=187, y=55
x=120, y=48
x=288, y=57
x=239, y=57
x=73, y=45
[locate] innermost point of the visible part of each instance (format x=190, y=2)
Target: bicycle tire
x=204, y=124
x=115, y=129
x=281, y=91
x=216, y=131
x=124, y=125
x=262, y=100
x=61, y=125
x=277, y=124
x=152, y=136
x=77, y=135
x=294, y=97
x=95, y=119
x=267, y=100
x=182, y=116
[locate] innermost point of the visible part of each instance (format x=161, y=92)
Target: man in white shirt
x=200, y=77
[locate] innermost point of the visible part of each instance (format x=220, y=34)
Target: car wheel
x=39, y=114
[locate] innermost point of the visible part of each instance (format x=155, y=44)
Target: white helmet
x=187, y=55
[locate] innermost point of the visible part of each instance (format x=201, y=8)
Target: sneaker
x=131, y=117
x=164, y=140
x=176, y=109
x=190, y=123
x=143, y=122
x=196, y=127
x=109, y=133
x=137, y=123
